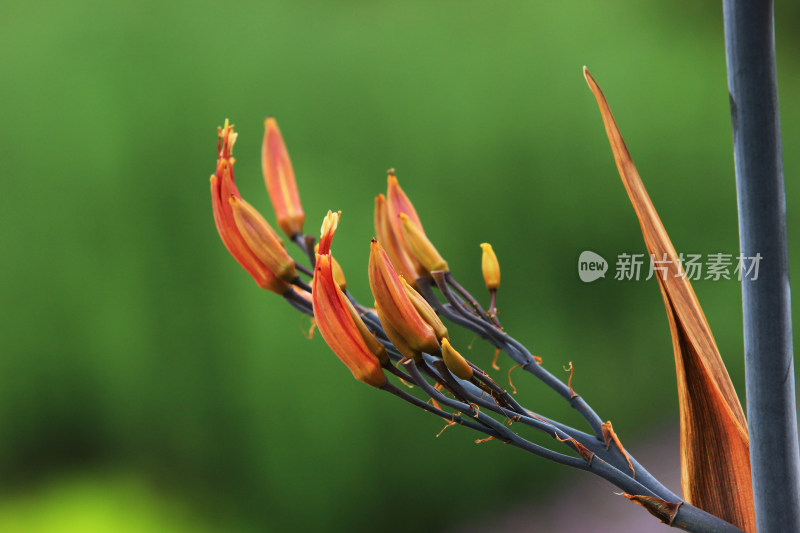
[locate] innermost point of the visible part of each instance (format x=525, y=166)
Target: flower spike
x=396, y=306
x=279, y=178
x=223, y=187
x=339, y=324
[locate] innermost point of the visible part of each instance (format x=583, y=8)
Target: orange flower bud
x=279, y=177
x=262, y=239
x=490, y=267
x=419, y=247
x=393, y=301
x=425, y=310
x=455, y=362
x=405, y=265
x=397, y=203
x=223, y=187
x=339, y=324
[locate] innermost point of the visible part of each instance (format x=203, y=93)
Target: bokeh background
x=147, y=384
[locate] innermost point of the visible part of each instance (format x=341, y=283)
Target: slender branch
x=766, y=300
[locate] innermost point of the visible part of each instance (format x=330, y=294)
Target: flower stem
x=766, y=301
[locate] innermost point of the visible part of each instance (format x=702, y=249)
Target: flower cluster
x=404, y=339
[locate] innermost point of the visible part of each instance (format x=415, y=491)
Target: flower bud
x=419, y=247
x=455, y=362
x=279, y=178
x=490, y=267
x=393, y=301
x=425, y=310
x=405, y=265
x=262, y=239
x=397, y=203
x=340, y=324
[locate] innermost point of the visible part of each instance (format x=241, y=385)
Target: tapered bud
x=425, y=310
x=490, y=267
x=455, y=362
x=419, y=247
x=279, y=177
x=340, y=324
x=223, y=187
x=404, y=265
x=262, y=239
x=393, y=301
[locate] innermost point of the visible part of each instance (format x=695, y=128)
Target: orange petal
x=395, y=304
x=338, y=325
x=279, y=178
x=715, y=458
x=262, y=239
x=407, y=267
x=397, y=203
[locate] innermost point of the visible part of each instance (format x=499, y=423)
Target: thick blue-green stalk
x=766, y=301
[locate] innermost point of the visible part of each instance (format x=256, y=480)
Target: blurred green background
x=146, y=384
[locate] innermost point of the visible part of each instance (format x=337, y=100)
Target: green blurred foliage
x=131, y=341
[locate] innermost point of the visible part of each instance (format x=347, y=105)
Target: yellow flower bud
x=490, y=267
x=419, y=247
x=425, y=310
x=455, y=362
x=395, y=304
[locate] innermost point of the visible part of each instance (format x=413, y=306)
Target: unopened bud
x=419, y=247
x=425, y=310
x=395, y=303
x=455, y=362
x=279, y=178
x=490, y=267
x=405, y=265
